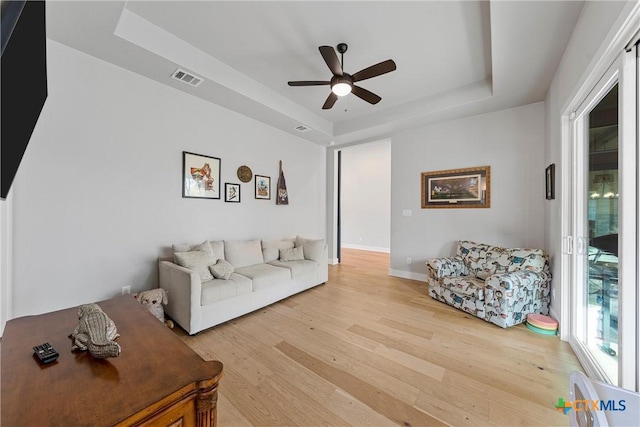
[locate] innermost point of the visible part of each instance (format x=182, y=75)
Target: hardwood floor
x=367, y=349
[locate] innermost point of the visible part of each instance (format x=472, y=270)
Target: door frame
x=619, y=48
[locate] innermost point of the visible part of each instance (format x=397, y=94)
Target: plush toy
x=95, y=332
x=153, y=300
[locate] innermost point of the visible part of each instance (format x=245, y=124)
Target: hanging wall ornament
x=282, y=197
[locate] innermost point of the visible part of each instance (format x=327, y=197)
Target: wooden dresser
x=157, y=379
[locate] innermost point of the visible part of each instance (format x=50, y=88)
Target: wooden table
x=156, y=380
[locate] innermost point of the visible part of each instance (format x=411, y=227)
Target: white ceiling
x=454, y=58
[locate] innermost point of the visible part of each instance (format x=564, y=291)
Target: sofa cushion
x=313, y=248
x=464, y=285
x=265, y=275
x=474, y=256
x=217, y=247
x=198, y=261
x=221, y=269
x=217, y=289
x=188, y=247
x=241, y=253
x=271, y=248
x=297, y=268
x=521, y=259
x=292, y=254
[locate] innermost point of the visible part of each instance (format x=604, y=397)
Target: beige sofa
x=260, y=277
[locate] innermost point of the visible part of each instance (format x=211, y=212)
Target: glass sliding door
x=604, y=223
x=600, y=299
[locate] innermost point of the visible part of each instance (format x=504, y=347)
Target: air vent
x=187, y=78
x=302, y=128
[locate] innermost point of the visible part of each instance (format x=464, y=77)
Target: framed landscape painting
x=200, y=176
x=457, y=188
x=263, y=187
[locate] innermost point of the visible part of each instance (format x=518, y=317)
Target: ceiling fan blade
x=361, y=93
x=309, y=83
x=375, y=70
x=330, y=101
x=331, y=59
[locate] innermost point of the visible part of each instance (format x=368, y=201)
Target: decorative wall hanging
x=457, y=188
x=244, y=173
x=282, y=198
x=231, y=192
x=263, y=187
x=550, y=181
x=200, y=176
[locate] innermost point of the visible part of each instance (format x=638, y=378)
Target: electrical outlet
x=126, y=290
x=408, y=260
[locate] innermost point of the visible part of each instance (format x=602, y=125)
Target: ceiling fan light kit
x=342, y=83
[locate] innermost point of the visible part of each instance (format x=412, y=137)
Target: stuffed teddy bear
x=153, y=300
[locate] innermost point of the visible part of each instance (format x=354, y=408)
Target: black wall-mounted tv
x=23, y=71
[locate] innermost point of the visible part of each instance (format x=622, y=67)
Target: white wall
x=592, y=31
x=512, y=143
x=98, y=195
x=366, y=196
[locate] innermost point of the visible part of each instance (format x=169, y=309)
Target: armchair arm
x=184, y=289
x=442, y=267
x=509, y=297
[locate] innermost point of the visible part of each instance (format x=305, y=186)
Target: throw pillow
x=222, y=269
x=292, y=254
x=313, y=249
x=198, y=261
x=270, y=248
x=186, y=247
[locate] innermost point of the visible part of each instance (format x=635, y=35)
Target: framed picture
x=231, y=192
x=263, y=187
x=200, y=176
x=457, y=188
x=550, y=181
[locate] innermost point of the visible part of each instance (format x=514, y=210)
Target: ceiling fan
x=343, y=83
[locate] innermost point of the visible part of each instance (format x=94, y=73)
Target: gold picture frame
x=457, y=188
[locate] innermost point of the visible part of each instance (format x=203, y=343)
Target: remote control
x=45, y=352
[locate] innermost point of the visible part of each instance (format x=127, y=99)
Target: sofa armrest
x=510, y=297
x=184, y=289
x=443, y=267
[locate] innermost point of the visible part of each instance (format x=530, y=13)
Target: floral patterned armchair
x=499, y=285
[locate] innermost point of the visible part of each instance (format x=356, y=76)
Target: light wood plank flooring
x=366, y=349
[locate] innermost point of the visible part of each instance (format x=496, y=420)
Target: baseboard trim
x=408, y=275
x=334, y=261
x=366, y=248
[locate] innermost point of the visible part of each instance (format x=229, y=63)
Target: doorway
x=603, y=253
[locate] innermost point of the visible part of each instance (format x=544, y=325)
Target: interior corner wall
x=98, y=196
x=366, y=196
x=511, y=142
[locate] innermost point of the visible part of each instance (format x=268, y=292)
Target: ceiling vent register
x=301, y=128
x=187, y=78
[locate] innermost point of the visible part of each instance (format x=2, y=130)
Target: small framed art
x=231, y=192
x=263, y=187
x=200, y=176
x=550, y=181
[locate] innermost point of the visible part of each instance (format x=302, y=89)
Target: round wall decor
x=244, y=173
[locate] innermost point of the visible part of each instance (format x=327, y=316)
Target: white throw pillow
x=270, y=248
x=188, y=247
x=221, y=269
x=198, y=261
x=292, y=254
x=313, y=249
